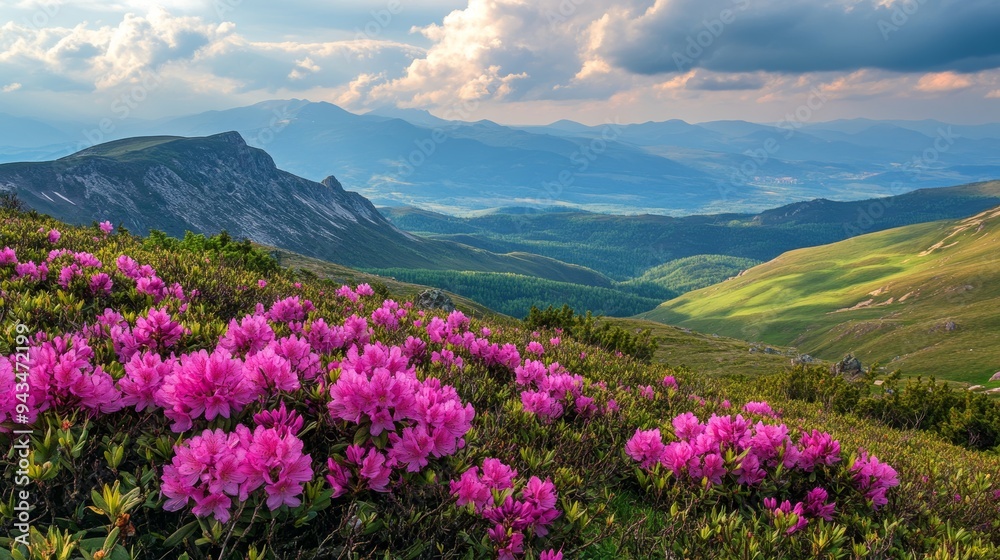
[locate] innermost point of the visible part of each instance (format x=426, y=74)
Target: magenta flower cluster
x=698, y=453
x=378, y=387
x=511, y=519
x=550, y=392
x=760, y=408
x=214, y=468
x=874, y=478
x=795, y=518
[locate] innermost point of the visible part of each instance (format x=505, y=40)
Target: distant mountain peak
x=230, y=137
x=332, y=183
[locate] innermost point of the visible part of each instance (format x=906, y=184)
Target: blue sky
x=513, y=61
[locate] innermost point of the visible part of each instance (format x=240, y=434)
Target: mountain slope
x=209, y=184
x=922, y=298
x=624, y=247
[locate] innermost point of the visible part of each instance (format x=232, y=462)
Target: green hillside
x=624, y=247
x=515, y=294
x=921, y=298
x=690, y=273
x=204, y=402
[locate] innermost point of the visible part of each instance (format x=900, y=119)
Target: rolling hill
x=921, y=298
x=625, y=247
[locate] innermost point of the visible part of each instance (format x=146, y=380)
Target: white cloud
x=12, y=87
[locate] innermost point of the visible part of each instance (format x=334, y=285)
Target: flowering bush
x=487, y=492
x=189, y=397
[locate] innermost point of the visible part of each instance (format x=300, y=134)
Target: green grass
x=917, y=278
x=691, y=273
x=709, y=354
x=343, y=275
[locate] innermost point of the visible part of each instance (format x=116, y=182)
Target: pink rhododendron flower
x=144, y=375
x=816, y=506
x=281, y=419
x=101, y=284
x=248, y=336
x=8, y=256
x=290, y=309
x=205, y=385
x=298, y=352
x=152, y=286
x=761, y=408
x=106, y=227
x=274, y=459
x=535, y=347
x=157, y=330
x=670, y=381
x=687, y=426
x=874, y=478
x=270, y=372
x=54, y=236
x=61, y=374
x=646, y=447
x=31, y=271
x=818, y=448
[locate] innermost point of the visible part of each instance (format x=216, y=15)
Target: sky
x=511, y=61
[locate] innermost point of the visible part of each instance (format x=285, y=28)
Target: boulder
x=435, y=299
x=848, y=366
x=996, y=376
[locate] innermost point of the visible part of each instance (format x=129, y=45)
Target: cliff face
x=204, y=185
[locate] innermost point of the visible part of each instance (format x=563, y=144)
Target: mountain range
x=215, y=183
x=400, y=157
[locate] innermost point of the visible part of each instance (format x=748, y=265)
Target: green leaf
x=180, y=534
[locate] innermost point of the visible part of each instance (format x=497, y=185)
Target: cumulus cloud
x=805, y=36
x=12, y=87
x=943, y=81
x=725, y=82
x=503, y=50
x=110, y=55
x=641, y=57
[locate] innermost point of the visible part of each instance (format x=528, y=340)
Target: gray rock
x=996, y=376
x=435, y=299
x=770, y=350
x=951, y=326
x=805, y=359
x=848, y=366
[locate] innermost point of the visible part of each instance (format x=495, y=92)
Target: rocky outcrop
x=435, y=299
x=849, y=366
x=206, y=185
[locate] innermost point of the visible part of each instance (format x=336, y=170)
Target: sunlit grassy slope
x=923, y=298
